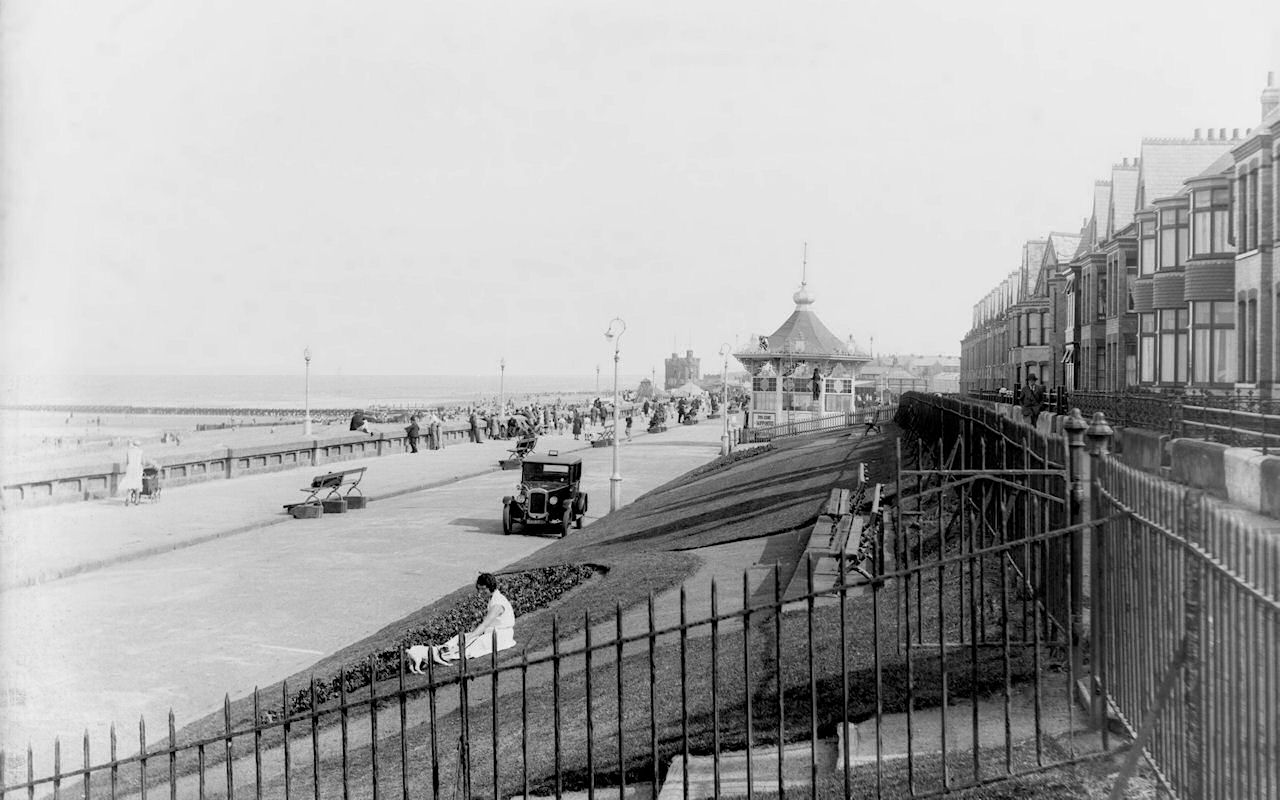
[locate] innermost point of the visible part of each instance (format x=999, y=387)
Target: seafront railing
x=95, y=481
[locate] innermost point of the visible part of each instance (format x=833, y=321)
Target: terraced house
x=1170, y=284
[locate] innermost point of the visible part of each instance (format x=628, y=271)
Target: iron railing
x=1186, y=633
x=1239, y=418
x=826, y=422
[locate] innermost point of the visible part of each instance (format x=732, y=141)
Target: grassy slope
x=645, y=548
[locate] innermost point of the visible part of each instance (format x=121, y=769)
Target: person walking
x=577, y=424
x=1032, y=400
x=630, y=411
x=412, y=432
x=131, y=481
x=475, y=427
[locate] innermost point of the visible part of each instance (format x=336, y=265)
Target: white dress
x=505, y=629
x=132, y=480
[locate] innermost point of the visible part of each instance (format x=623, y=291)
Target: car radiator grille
x=537, y=502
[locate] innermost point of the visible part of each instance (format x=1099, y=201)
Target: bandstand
x=803, y=371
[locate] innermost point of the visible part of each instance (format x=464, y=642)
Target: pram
x=151, y=483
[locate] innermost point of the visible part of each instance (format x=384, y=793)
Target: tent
x=689, y=389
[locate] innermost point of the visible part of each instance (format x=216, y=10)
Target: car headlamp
x=554, y=500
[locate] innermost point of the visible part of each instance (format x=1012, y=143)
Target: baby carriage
x=151, y=482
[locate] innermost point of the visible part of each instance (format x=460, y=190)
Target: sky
x=408, y=187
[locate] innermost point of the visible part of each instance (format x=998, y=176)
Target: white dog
x=418, y=654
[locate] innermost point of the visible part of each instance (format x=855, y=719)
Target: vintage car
x=547, y=495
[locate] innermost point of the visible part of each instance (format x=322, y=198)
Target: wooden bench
x=331, y=481
x=524, y=446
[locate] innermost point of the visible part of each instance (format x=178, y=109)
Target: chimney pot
x=1271, y=79
x=1222, y=134
x=1210, y=136
x=1125, y=163
x=1235, y=133
x=1198, y=133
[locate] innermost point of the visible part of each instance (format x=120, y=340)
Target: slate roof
x=1166, y=163
x=1098, y=221
x=1064, y=246
x=1124, y=196
x=1032, y=256
x=1224, y=163
x=818, y=339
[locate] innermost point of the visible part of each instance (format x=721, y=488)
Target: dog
x=418, y=655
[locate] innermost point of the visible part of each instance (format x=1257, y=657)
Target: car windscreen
x=546, y=472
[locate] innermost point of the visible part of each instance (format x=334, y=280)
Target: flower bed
x=527, y=591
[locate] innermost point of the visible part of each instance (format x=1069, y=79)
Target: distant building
x=682, y=370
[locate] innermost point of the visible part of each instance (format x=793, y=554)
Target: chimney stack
x=1222, y=134
x=1125, y=163
x=1198, y=133
x=1210, y=137
x=1235, y=133
x=1270, y=95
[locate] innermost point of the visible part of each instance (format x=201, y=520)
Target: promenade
x=110, y=612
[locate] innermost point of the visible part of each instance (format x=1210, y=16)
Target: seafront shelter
x=802, y=371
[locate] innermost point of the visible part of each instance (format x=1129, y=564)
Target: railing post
x=1081, y=512
x=1099, y=436
x=1193, y=685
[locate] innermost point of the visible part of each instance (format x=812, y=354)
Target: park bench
x=524, y=446
x=331, y=482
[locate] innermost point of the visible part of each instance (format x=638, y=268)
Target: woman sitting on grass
x=499, y=617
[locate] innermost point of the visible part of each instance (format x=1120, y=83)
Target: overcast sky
x=201, y=186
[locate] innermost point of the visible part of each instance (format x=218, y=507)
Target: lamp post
x=598, y=369
x=724, y=399
x=502, y=377
x=615, y=480
x=306, y=420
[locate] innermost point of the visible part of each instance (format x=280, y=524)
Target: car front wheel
x=507, y=523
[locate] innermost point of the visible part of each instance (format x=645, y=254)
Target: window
x=1173, y=237
x=1147, y=253
x=1173, y=345
x=1210, y=224
x=1148, y=361
x=1213, y=341
x=1101, y=303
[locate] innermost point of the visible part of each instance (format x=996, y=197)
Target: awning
x=1069, y=357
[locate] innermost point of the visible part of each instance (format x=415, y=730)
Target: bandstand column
x=777, y=391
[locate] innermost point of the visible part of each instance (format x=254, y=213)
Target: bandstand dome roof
x=803, y=326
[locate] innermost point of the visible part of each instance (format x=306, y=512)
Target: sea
x=293, y=391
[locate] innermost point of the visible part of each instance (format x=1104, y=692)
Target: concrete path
x=242, y=594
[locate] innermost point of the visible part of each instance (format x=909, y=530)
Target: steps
x=796, y=771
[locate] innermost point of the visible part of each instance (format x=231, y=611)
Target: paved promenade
x=117, y=611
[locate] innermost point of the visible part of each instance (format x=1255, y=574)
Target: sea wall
x=96, y=481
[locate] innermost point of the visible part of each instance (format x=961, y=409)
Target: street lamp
x=615, y=480
x=502, y=377
x=598, y=368
x=724, y=399
x=306, y=424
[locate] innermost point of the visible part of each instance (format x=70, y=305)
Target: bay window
x=1211, y=222
x=1173, y=237
x=1213, y=342
x=1148, y=360
x=1147, y=253
x=1173, y=345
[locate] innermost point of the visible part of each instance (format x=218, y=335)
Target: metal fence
x=846, y=419
x=1186, y=633
x=1240, y=418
